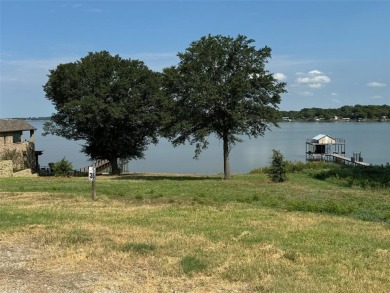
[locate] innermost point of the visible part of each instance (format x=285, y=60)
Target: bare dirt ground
x=19, y=272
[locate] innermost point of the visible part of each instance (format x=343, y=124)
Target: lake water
x=372, y=139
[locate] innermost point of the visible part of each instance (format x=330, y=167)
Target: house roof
x=11, y=125
x=319, y=136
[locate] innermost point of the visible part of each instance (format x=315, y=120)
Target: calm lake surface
x=372, y=139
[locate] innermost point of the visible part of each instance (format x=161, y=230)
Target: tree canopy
x=356, y=112
x=221, y=87
x=109, y=102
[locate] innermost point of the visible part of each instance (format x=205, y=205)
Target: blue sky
x=330, y=53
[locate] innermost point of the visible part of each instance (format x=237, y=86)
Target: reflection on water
x=372, y=139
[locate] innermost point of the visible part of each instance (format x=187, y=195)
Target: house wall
x=326, y=140
x=8, y=139
x=25, y=151
x=6, y=167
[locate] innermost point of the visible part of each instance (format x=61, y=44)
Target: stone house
x=17, y=143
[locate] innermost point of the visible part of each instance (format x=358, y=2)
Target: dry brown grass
x=41, y=259
x=38, y=261
x=252, y=249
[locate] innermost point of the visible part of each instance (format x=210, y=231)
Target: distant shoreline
x=310, y=120
x=333, y=121
x=29, y=118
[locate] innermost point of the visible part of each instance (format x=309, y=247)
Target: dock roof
x=12, y=125
x=319, y=136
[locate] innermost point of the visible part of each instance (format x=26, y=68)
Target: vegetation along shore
x=347, y=112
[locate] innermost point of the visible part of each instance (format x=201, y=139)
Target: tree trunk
x=114, y=167
x=226, y=163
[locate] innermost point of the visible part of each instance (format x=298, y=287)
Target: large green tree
x=108, y=102
x=221, y=87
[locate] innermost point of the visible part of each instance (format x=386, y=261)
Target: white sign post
x=92, y=178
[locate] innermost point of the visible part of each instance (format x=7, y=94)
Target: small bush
x=278, y=169
x=62, y=167
x=372, y=177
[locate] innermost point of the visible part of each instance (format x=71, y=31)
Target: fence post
x=92, y=178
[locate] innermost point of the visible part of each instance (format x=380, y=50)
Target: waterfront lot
x=172, y=233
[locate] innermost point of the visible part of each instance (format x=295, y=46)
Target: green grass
x=138, y=247
x=302, y=192
x=307, y=234
x=191, y=264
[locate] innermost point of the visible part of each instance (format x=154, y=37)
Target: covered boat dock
x=326, y=148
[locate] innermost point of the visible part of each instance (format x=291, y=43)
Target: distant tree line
x=357, y=112
x=40, y=118
x=369, y=112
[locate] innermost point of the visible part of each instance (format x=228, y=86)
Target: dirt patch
x=18, y=272
x=26, y=266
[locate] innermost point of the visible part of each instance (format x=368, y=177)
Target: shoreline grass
x=300, y=193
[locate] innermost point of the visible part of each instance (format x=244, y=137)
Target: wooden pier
x=341, y=158
x=326, y=148
x=100, y=165
x=104, y=165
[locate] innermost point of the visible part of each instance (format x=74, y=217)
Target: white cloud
x=280, y=76
x=376, y=84
x=334, y=94
x=314, y=85
x=312, y=79
x=314, y=72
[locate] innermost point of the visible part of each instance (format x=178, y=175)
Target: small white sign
x=92, y=173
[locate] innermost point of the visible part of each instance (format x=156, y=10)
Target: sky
x=330, y=53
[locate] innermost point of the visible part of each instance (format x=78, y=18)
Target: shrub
x=278, y=169
x=62, y=167
x=372, y=177
x=293, y=167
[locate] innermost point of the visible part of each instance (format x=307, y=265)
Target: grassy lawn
x=170, y=233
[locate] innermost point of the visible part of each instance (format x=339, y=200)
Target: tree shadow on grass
x=173, y=177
